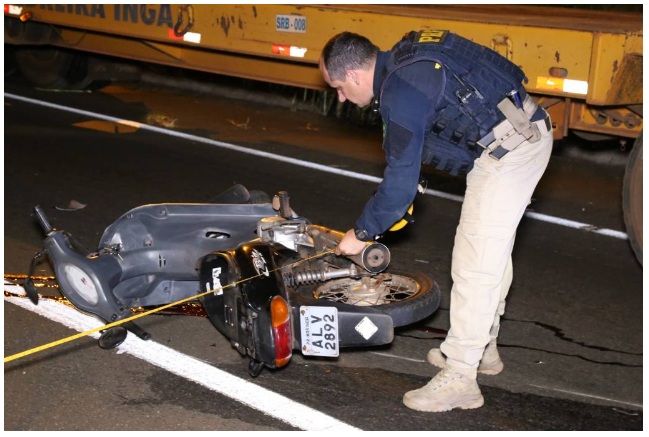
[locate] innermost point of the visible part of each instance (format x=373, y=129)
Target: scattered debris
x=72, y=206
x=245, y=125
x=161, y=120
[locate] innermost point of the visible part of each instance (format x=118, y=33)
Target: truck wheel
x=48, y=67
x=632, y=198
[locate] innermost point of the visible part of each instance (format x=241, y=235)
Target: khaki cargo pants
x=496, y=197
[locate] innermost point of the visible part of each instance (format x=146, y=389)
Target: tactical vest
x=476, y=79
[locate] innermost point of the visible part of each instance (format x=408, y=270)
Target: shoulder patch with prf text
x=431, y=36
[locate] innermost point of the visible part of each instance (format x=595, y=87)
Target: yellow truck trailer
x=584, y=67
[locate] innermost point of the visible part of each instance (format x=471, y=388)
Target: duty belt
x=515, y=129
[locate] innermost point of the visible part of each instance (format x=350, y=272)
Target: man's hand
x=350, y=245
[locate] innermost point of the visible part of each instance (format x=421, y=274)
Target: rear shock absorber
x=313, y=276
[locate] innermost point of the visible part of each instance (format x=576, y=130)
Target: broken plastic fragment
x=72, y=206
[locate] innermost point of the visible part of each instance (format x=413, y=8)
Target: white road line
x=586, y=395
x=399, y=357
x=533, y=215
x=241, y=390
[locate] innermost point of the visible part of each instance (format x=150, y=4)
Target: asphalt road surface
x=571, y=338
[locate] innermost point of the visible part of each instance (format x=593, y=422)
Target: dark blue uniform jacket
x=407, y=105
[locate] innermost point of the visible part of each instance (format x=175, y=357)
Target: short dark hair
x=347, y=51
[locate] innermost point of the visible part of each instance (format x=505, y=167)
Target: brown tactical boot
x=491, y=364
x=450, y=388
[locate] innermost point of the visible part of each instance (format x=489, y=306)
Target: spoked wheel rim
x=384, y=289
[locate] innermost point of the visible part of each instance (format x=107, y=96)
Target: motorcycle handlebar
x=42, y=220
x=374, y=258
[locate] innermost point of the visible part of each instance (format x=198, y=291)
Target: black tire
x=410, y=309
x=49, y=67
x=632, y=198
x=238, y=194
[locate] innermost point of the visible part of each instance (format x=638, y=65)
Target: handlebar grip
x=374, y=258
x=42, y=220
x=284, y=206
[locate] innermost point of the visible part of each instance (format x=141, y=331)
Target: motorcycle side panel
x=159, y=245
x=244, y=282
x=218, y=272
x=259, y=275
x=261, y=282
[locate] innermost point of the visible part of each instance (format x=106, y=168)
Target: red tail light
x=280, y=316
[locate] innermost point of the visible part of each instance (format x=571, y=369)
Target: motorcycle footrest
x=135, y=329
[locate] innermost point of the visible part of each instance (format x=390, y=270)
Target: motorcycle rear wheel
x=407, y=297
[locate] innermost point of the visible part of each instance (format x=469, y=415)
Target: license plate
x=319, y=328
x=290, y=23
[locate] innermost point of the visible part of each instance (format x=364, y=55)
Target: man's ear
x=353, y=76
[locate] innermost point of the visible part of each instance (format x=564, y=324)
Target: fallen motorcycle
x=267, y=278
